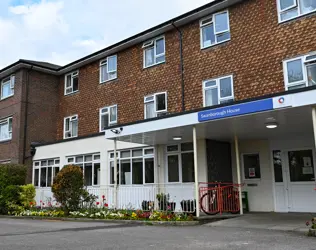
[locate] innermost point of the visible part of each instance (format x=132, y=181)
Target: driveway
x=38, y=235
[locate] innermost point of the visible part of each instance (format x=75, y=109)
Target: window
x=300, y=72
x=215, y=29
x=218, y=91
x=155, y=105
x=108, y=69
x=289, y=9
x=72, y=83
x=90, y=166
x=180, y=162
x=71, y=127
x=277, y=164
x=154, y=52
x=7, y=87
x=134, y=166
x=108, y=117
x=301, y=166
x=6, y=129
x=251, y=166
x=45, y=171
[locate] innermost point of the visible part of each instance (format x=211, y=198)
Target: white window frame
x=131, y=158
x=102, y=63
x=73, y=160
x=109, y=116
x=3, y=162
x=202, y=25
x=11, y=80
x=217, y=80
x=37, y=165
x=154, y=96
x=150, y=44
x=295, y=5
x=7, y=120
x=71, y=118
x=304, y=67
x=74, y=74
x=179, y=153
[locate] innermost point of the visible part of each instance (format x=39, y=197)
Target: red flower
x=31, y=203
x=103, y=197
x=41, y=201
x=307, y=223
x=43, y=204
x=106, y=205
x=98, y=203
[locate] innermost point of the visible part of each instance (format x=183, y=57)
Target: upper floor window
x=108, y=117
x=71, y=127
x=108, y=69
x=154, y=52
x=218, y=91
x=155, y=105
x=44, y=172
x=6, y=129
x=300, y=72
x=90, y=166
x=7, y=87
x=215, y=29
x=72, y=82
x=289, y=9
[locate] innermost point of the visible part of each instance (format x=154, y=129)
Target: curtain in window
x=74, y=131
x=311, y=74
x=104, y=73
x=211, y=97
x=307, y=6
x=150, y=110
x=149, y=56
x=4, y=131
x=208, y=35
x=113, y=114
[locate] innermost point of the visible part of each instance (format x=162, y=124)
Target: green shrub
x=68, y=188
x=9, y=195
x=27, y=195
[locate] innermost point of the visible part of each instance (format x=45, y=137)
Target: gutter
x=181, y=65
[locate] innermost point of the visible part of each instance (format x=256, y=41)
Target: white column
x=115, y=174
x=238, y=174
x=196, y=181
x=314, y=123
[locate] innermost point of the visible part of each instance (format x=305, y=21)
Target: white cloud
x=60, y=31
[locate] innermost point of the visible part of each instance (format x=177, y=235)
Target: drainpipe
x=26, y=111
x=181, y=64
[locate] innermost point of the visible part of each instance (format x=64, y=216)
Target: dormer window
x=72, y=83
x=154, y=52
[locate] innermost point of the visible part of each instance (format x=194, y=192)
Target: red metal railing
x=219, y=198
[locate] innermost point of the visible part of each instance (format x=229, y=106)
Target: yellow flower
x=134, y=215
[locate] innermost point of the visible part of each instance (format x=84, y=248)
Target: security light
x=177, y=138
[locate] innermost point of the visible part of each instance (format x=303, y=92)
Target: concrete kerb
x=136, y=222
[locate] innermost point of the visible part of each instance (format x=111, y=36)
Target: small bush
x=68, y=188
x=10, y=195
x=27, y=195
x=12, y=174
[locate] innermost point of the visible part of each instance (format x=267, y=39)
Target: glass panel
x=112, y=172
x=307, y=6
x=74, y=128
x=50, y=162
x=252, y=166
x=226, y=101
x=289, y=14
x=56, y=162
x=113, y=112
x=160, y=46
x=96, y=174
x=88, y=174
x=43, y=163
x=149, y=151
x=88, y=158
x=49, y=176
x=68, y=80
x=70, y=159
x=173, y=168
x=297, y=86
x=221, y=22
x=104, y=121
x=187, y=167
x=126, y=172
x=37, y=163
x=104, y=73
x=277, y=162
x=149, y=170
x=125, y=154
x=187, y=146
x=225, y=87
x=208, y=35
x=301, y=165
x=172, y=148
x=210, y=84
x=295, y=71
x=112, y=61
x=160, y=59
x=137, y=171
x=79, y=159
x=223, y=37
x=4, y=131
x=138, y=152
x=149, y=56
x=150, y=110
x=161, y=102
x=43, y=177
x=211, y=97
x=97, y=157
x=311, y=74
x=55, y=171
x=284, y=4
x=36, y=177
x=75, y=84
x=67, y=127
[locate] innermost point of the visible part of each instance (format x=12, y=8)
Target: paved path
x=41, y=235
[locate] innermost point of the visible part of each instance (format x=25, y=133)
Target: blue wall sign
x=236, y=110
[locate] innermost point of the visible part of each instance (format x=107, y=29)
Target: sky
x=61, y=31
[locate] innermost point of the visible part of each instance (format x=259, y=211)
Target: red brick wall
x=254, y=56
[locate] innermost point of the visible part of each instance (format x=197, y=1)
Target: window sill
x=72, y=93
x=108, y=81
x=297, y=17
x=5, y=140
x=4, y=98
x=110, y=126
x=215, y=45
x=70, y=137
x=153, y=65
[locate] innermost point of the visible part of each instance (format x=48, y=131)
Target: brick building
x=191, y=100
